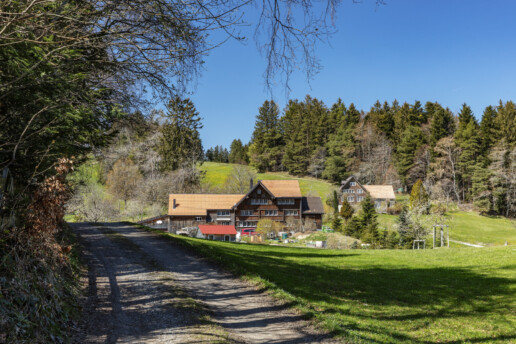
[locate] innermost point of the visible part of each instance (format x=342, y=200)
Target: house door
x=210, y=237
x=226, y=237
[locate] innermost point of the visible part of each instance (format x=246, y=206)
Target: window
x=223, y=213
x=224, y=223
x=259, y=191
x=246, y=213
x=378, y=204
x=271, y=213
x=286, y=201
x=258, y=201
x=352, y=184
x=360, y=198
x=360, y=191
x=198, y=218
x=349, y=191
x=291, y=212
x=247, y=224
x=351, y=199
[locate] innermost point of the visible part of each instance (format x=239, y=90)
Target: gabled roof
x=312, y=205
x=375, y=191
x=276, y=188
x=198, y=204
x=380, y=191
x=217, y=229
x=283, y=188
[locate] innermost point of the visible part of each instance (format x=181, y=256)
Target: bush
x=395, y=209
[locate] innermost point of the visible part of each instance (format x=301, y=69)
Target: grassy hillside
x=386, y=296
x=217, y=173
x=471, y=227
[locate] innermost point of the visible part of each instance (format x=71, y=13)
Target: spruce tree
x=443, y=124
x=180, y=143
x=346, y=210
x=237, y=154
x=411, y=140
x=369, y=222
x=489, y=131
x=468, y=140
x=403, y=226
x=266, y=143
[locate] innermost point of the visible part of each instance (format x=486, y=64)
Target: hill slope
x=217, y=173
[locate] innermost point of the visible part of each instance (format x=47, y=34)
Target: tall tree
x=266, y=143
x=180, y=143
x=411, y=139
x=237, y=152
x=442, y=125
x=467, y=138
x=369, y=222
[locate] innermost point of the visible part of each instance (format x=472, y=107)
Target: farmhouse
x=354, y=192
x=217, y=232
x=278, y=200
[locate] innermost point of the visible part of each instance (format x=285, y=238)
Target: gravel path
x=143, y=288
x=466, y=243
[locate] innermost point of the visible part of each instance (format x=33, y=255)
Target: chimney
x=250, y=183
x=174, y=204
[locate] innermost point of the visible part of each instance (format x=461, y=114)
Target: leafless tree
x=503, y=169
x=239, y=180
x=443, y=176
x=90, y=204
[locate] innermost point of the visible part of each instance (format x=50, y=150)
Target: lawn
x=386, y=296
x=470, y=227
x=217, y=173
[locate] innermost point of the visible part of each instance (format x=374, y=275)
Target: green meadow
x=217, y=173
x=458, y=295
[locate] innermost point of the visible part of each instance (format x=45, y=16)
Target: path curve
x=245, y=314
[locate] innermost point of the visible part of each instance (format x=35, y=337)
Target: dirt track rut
x=143, y=288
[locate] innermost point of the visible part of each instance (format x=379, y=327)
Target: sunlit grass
x=386, y=296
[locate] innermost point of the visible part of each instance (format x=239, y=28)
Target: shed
x=217, y=232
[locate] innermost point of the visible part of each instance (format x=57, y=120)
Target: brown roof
x=312, y=205
x=197, y=204
x=380, y=191
x=283, y=188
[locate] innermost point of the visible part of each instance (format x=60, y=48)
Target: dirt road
x=144, y=289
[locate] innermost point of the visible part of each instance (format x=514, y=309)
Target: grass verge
x=385, y=296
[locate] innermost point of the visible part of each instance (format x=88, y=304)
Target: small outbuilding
x=217, y=232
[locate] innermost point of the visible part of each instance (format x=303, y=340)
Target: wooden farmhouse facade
x=277, y=200
x=354, y=192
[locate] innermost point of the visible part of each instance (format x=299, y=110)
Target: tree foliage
x=180, y=143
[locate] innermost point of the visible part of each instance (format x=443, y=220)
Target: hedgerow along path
x=144, y=288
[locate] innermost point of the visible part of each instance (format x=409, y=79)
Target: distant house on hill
x=278, y=200
x=354, y=192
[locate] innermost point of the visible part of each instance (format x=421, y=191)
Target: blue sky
x=450, y=51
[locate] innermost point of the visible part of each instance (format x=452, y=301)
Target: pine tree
x=506, y=122
x=468, y=140
x=346, y=210
x=354, y=227
x=180, y=142
x=411, y=140
x=369, y=221
x=237, y=154
x=489, y=131
x=335, y=203
x=266, y=142
x=443, y=123
x=403, y=227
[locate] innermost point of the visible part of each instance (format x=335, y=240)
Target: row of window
x=223, y=213
x=281, y=201
x=352, y=199
x=352, y=191
x=290, y=212
x=247, y=223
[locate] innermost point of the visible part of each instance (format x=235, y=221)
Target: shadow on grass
x=375, y=304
